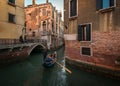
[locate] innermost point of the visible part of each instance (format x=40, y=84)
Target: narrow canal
x=31, y=73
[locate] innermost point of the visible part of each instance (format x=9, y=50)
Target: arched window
x=44, y=26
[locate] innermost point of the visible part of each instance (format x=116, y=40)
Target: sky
x=56, y=3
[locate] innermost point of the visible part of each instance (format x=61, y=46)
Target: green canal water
x=31, y=73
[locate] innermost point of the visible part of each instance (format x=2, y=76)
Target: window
x=103, y=4
x=86, y=51
x=11, y=1
x=33, y=34
x=73, y=8
x=44, y=25
x=30, y=29
x=84, y=32
x=44, y=13
x=11, y=18
x=106, y=4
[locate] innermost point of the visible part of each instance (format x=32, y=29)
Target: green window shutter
x=88, y=32
x=99, y=4
x=112, y=3
x=73, y=8
x=79, y=33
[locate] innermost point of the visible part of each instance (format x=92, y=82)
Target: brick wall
x=105, y=48
x=106, y=43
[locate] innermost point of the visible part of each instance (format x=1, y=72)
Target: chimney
x=33, y=2
x=46, y=1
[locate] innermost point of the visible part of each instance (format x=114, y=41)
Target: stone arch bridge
x=12, y=52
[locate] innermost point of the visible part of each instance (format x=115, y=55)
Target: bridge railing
x=16, y=41
x=9, y=43
x=43, y=41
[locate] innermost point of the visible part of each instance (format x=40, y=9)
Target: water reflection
x=32, y=73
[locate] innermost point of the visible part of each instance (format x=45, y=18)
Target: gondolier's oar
x=64, y=67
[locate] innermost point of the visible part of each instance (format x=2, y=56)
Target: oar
x=64, y=67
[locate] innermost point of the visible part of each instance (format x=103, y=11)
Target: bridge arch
x=36, y=48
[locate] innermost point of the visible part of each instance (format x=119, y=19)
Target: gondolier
x=44, y=54
x=50, y=60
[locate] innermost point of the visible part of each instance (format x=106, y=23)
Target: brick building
x=39, y=18
x=12, y=19
x=92, y=30
x=42, y=21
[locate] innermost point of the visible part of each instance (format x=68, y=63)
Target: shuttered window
x=11, y=18
x=73, y=8
x=103, y=4
x=79, y=33
x=88, y=32
x=84, y=32
x=99, y=4
x=112, y=3
x=86, y=51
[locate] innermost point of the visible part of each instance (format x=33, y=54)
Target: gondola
x=50, y=60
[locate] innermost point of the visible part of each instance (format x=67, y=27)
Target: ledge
x=94, y=68
x=73, y=17
x=106, y=10
x=11, y=22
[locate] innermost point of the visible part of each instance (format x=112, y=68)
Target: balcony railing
x=45, y=33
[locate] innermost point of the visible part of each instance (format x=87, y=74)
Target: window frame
x=76, y=10
x=13, y=18
x=85, y=24
x=91, y=51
